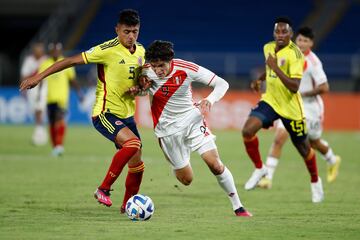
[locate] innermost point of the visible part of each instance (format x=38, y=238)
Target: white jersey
x=36, y=96
x=313, y=76
x=172, y=104
x=30, y=66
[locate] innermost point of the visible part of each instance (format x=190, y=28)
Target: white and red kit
x=313, y=76
x=178, y=123
x=36, y=96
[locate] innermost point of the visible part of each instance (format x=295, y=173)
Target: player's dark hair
x=129, y=17
x=283, y=19
x=306, y=32
x=160, y=51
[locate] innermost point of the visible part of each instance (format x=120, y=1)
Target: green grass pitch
x=42, y=197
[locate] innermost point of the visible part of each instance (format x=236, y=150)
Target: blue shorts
x=109, y=125
x=55, y=112
x=267, y=115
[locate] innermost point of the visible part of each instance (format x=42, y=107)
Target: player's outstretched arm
x=321, y=89
x=220, y=88
x=291, y=83
x=56, y=67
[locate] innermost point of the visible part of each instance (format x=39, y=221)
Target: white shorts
x=36, y=97
x=314, y=112
x=178, y=146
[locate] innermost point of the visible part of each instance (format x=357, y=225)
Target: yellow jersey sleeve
x=94, y=55
x=98, y=53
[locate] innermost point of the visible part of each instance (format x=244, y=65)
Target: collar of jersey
x=127, y=50
x=283, y=47
x=171, y=67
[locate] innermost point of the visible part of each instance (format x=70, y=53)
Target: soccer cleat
x=103, y=197
x=255, y=178
x=333, y=170
x=317, y=192
x=58, y=151
x=265, y=183
x=122, y=210
x=39, y=137
x=241, y=212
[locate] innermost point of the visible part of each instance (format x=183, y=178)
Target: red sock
x=310, y=162
x=120, y=159
x=252, y=149
x=52, y=134
x=133, y=181
x=60, y=133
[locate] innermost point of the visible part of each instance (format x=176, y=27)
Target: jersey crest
x=164, y=93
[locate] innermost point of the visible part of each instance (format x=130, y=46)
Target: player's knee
x=136, y=158
x=303, y=148
x=247, y=133
x=186, y=180
x=217, y=168
x=315, y=143
x=278, y=142
x=133, y=144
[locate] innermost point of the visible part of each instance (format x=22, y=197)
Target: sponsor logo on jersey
x=282, y=62
x=90, y=50
x=122, y=61
x=118, y=123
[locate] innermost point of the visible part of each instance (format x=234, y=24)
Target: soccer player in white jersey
x=178, y=122
x=313, y=84
x=36, y=97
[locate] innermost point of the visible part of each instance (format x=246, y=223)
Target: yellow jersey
x=117, y=71
x=58, y=84
x=291, y=61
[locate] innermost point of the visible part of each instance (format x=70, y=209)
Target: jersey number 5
x=132, y=73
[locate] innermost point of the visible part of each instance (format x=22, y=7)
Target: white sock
x=271, y=164
x=226, y=181
x=329, y=156
x=40, y=136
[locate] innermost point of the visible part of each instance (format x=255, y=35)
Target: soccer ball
x=139, y=208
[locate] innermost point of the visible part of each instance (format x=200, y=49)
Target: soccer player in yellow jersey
x=118, y=62
x=284, y=69
x=314, y=83
x=58, y=96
